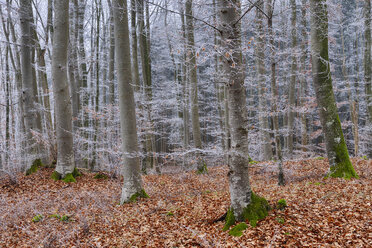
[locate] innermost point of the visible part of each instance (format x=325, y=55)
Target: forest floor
x=183, y=206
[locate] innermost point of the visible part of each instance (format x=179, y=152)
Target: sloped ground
x=182, y=207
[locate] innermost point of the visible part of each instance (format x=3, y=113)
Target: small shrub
x=282, y=204
x=37, y=218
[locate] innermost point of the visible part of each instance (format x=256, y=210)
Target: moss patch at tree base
x=69, y=178
x=140, y=194
x=257, y=210
x=237, y=230
x=342, y=170
x=34, y=167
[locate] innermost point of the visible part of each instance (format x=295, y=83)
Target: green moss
x=57, y=216
x=282, y=204
x=253, y=162
x=56, y=176
x=319, y=158
x=37, y=218
x=76, y=173
x=169, y=213
x=256, y=210
x=100, y=175
x=34, y=167
x=202, y=169
x=65, y=218
x=229, y=220
x=364, y=157
x=280, y=220
x=237, y=230
x=140, y=194
x=69, y=178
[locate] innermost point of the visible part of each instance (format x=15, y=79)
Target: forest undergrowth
x=36, y=211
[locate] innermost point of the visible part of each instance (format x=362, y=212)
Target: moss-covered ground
x=180, y=214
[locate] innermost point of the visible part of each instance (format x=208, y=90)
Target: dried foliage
x=183, y=206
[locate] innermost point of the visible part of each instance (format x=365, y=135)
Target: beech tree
x=338, y=156
x=244, y=203
x=65, y=168
x=131, y=171
x=29, y=91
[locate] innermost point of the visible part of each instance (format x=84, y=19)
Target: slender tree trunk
x=368, y=72
x=338, y=156
x=303, y=81
x=266, y=150
x=111, y=66
x=147, y=84
x=191, y=58
x=63, y=110
x=29, y=92
x=135, y=70
x=292, y=85
x=132, y=187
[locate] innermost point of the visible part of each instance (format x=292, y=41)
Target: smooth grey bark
x=240, y=189
x=368, y=71
x=111, y=66
x=29, y=93
x=338, y=156
x=266, y=150
x=292, y=85
x=131, y=164
x=303, y=81
x=274, y=92
x=135, y=70
x=63, y=110
x=144, y=42
x=193, y=79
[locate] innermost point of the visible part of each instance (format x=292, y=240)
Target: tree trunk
x=303, y=81
x=63, y=110
x=111, y=66
x=338, y=156
x=193, y=79
x=266, y=151
x=368, y=72
x=29, y=92
x=132, y=187
x=241, y=195
x=136, y=78
x=292, y=85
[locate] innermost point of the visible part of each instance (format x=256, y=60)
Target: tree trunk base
x=257, y=210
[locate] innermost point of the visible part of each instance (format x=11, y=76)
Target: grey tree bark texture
x=338, y=156
x=62, y=96
x=29, y=93
x=241, y=195
x=131, y=171
x=368, y=70
x=265, y=140
x=193, y=79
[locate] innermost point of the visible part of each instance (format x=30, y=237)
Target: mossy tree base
x=342, y=169
x=257, y=210
x=34, y=167
x=141, y=194
x=69, y=178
